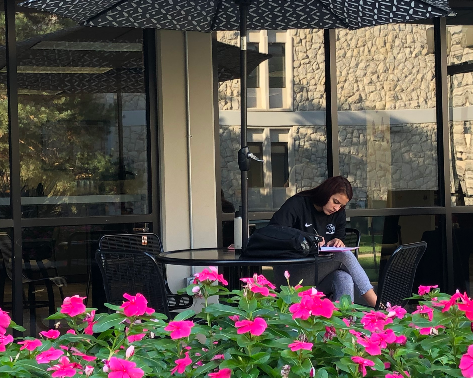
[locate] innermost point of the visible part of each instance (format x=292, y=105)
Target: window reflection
x=82, y=116
x=380, y=236
x=462, y=257
x=460, y=74
x=387, y=123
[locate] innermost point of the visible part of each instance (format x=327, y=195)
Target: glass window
x=460, y=75
x=253, y=76
x=82, y=117
x=255, y=174
x=462, y=256
x=279, y=164
x=387, y=121
x=380, y=236
x=5, y=210
x=66, y=255
x=277, y=65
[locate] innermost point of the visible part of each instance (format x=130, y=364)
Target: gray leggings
x=336, y=276
x=340, y=274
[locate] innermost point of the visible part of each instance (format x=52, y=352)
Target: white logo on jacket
x=330, y=229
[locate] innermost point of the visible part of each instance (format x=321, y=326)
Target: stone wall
x=387, y=67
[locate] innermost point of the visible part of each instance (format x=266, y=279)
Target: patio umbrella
x=211, y=15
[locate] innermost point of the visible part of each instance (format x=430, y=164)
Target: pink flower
x=296, y=345
x=322, y=307
x=430, y=330
x=4, y=340
x=396, y=375
x=73, y=306
x=234, y=317
x=346, y=321
x=395, y=311
x=64, y=368
x=467, y=306
x=301, y=310
x=425, y=310
x=330, y=333
x=133, y=338
x=85, y=357
x=466, y=363
x=49, y=355
x=210, y=275
x=4, y=321
x=218, y=357
x=181, y=364
x=255, y=327
x=119, y=368
x=136, y=306
x=452, y=301
x=89, y=330
x=426, y=289
x=375, y=320
x=71, y=331
x=312, y=293
x=51, y=334
x=30, y=344
x=286, y=274
x=264, y=291
x=88, y=370
x=130, y=351
x=223, y=373
x=362, y=363
x=179, y=328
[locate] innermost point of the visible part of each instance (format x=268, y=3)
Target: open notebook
x=337, y=249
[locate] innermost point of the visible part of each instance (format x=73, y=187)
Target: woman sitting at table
x=321, y=211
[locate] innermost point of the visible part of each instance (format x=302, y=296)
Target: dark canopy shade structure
x=80, y=60
x=211, y=15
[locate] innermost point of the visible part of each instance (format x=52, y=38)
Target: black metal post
x=331, y=112
x=14, y=151
x=243, y=153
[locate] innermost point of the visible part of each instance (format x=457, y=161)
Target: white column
x=187, y=175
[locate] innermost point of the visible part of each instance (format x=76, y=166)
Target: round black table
x=238, y=265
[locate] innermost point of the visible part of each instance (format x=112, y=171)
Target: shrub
x=253, y=332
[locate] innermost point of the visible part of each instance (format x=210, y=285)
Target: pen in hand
x=322, y=242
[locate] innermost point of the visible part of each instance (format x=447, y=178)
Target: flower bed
x=255, y=332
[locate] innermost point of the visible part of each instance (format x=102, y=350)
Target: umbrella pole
x=243, y=161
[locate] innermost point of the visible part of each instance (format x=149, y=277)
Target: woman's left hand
x=335, y=243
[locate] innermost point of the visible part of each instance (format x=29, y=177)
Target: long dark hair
x=333, y=185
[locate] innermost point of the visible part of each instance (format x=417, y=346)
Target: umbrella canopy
x=79, y=60
x=210, y=15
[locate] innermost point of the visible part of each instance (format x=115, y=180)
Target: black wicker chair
x=395, y=283
x=352, y=238
x=132, y=272
x=150, y=243
x=33, y=273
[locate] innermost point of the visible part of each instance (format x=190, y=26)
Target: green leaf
x=321, y=373
x=217, y=309
x=112, y=307
x=184, y=315
x=56, y=316
x=107, y=322
x=260, y=358
x=32, y=367
x=202, y=370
